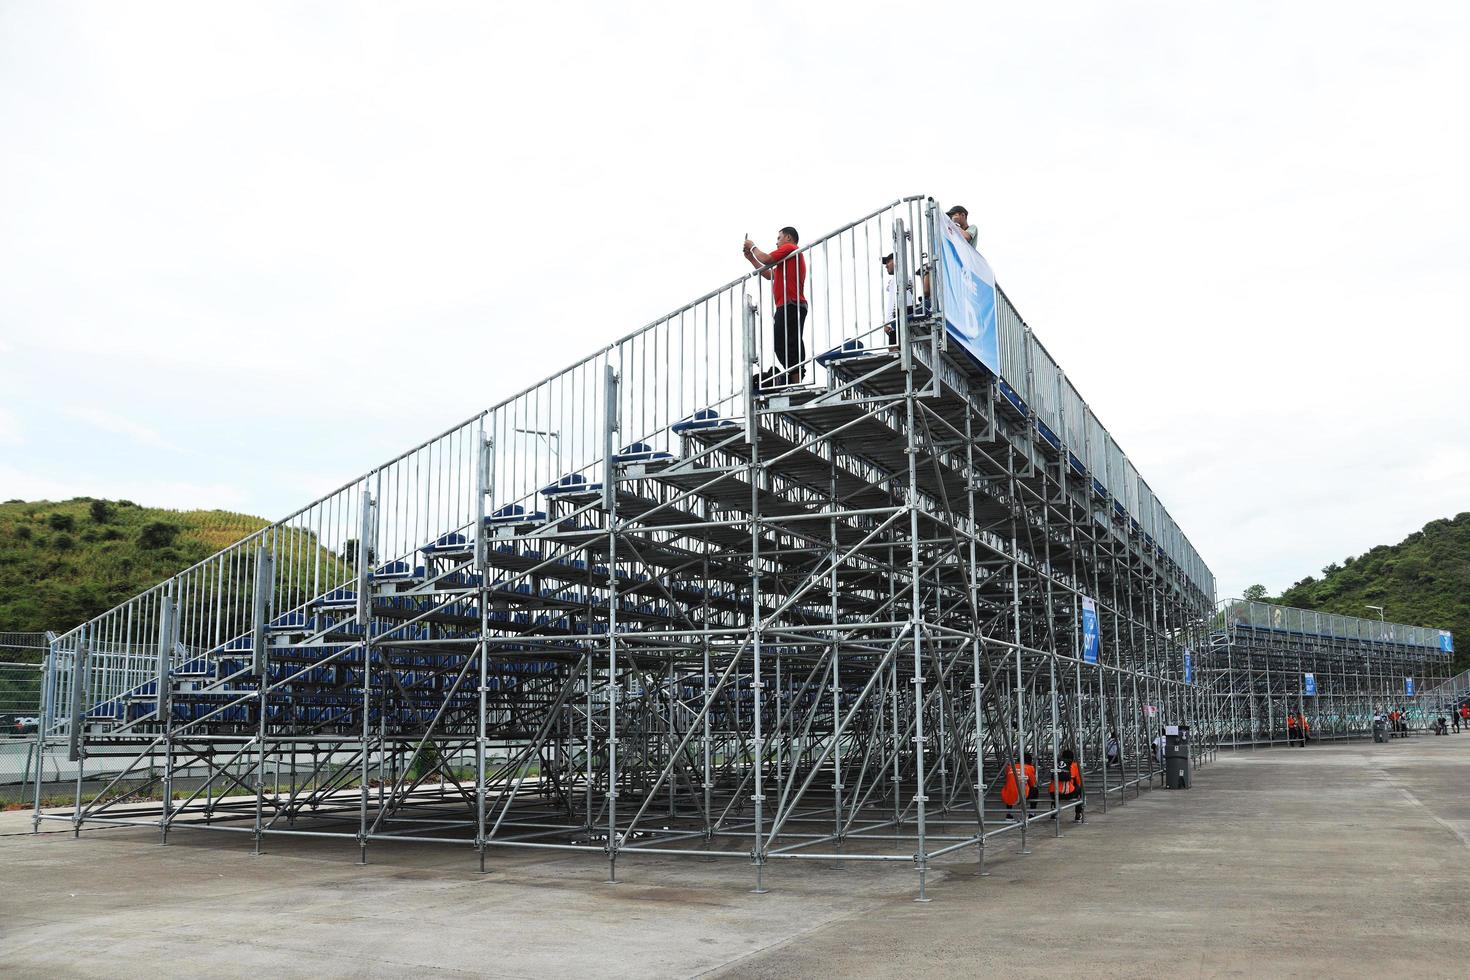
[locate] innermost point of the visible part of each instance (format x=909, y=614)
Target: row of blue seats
x=310, y=714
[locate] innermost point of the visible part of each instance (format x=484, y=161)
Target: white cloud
x=117, y=425
x=170, y=494
x=10, y=429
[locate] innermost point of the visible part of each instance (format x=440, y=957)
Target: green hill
x=63, y=563
x=1424, y=580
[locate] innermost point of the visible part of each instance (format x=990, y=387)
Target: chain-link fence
x=20, y=714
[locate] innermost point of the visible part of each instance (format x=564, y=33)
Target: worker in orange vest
x=1393, y=723
x=1303, y=727
x=1010, y=791
x=1464, y=715
x=1066, y=784
x=1290, y=728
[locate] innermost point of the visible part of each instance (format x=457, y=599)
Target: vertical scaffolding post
x=168, y=614
x=916, y=621
x=364, y=619
x=484, y=488
x=261, y=610
x=609, y=503
x=977, y=688
x=81, y=671
x=1022, y=754
x=758, y=853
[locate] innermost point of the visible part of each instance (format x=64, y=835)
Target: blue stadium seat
x=705, y=418
x=1011, y=399
x=452, y=543
x=571, y=485
x=338, y=598
x=290, y=621
x=515, y=514
x=395, y=571
x=1048, y=437
x=639, y=452
x=848, y=348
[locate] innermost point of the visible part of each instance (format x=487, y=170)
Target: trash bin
x=1380, y=730
x=1177, y=771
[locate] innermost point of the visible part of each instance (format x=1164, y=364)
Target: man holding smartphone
x=786, y=268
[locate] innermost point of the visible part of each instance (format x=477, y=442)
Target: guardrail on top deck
x=690, y=360
x=693, y=359
x=1288, y=619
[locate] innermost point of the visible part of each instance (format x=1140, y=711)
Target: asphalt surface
x=1345, y=860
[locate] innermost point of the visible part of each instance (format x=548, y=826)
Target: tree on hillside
x=1424, y=580
x=157, y=534
x=1254, y=593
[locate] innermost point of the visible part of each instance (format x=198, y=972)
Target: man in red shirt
x=786, y=269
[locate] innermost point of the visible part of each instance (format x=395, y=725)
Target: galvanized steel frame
x=779, y=623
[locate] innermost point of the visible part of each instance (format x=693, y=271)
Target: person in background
x=1010, y=792
x=1303, y=727
x=961, y=217
x=890, y=300
x=1291, y=729
x=786, y=268
x=1159, y=748
x=1465, y=715
x=1066, y=784
x=1113, y=751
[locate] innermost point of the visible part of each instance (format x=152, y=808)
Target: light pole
x=552, y=439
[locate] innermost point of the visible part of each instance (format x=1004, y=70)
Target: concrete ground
x=1346, y=860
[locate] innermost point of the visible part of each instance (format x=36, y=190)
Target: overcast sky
x=247, y=251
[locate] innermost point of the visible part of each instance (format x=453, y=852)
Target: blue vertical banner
x=1309, y=685
x=1409, y=686
x=969, y=297
x=1188, y=666
x=1091, y=634
x=1446, y=641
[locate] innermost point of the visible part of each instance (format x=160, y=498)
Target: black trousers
x=788, y=324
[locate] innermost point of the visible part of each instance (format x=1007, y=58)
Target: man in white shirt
x=890, y=299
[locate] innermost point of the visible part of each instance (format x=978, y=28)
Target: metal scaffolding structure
x=659, y=603
x=1269, y=662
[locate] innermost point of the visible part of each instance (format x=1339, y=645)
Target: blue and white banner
x=1091, y=634
x=1188, y=666
x=1309, y=685
x=1446, y=641
x=969, y=297
x=1409, y=686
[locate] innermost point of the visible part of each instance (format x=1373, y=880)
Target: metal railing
x=700, y=358
x=1288, y=619
x=23, y=642
x=20, y=711
x=1451, y=692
